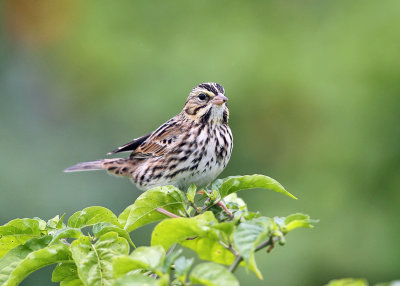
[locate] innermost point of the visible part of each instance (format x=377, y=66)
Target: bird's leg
x=164, y=211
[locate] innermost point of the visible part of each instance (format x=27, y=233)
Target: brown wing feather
x=130, y=146
x=161, y=141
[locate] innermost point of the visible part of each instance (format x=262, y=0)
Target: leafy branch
x=94, y=246
x=239, y=258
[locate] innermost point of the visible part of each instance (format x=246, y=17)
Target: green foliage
x=65, y=272
x=148, y=258
x=237, y=183
x=91, y=216
x=94, y=260
x=197, y=233
x=136, y=279
x=103, y=227
x=94, y=247
x=212, y=274
x=65, y=233
x=348, y=282
x=144, y=210
x=32, y=255
x=358, y=282
x=18, y=231
x=391, y=283
x=248, y=235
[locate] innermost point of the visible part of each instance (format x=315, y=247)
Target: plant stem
x=172, y=248
x=238, y=258
x=164, y=211
x=235, y=263
x=223, y=206
x=230, y=248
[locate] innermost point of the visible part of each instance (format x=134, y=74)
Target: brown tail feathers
x=117, y=166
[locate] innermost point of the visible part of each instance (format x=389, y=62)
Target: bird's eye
x=202, y=96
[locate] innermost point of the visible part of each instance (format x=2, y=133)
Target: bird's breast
x=200, y=158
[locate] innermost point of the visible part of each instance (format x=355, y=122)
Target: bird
x=193, y=147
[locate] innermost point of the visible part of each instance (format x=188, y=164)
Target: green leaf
x=248, y=235
x=65, y=271
x=294, y=221
x=65, y=233
x=144, y=210
x=17, y=232
x=183, y=228
x=391, y=283
x=125, y=264
x=92, y=215
x=197, y=233
x=298, y=220
x=94, y=261
x=42, y=225
x=237, y=202
x=29, y=257
x=225, y=231
x=172, y=254
x=136, y=279
x=234, y=204
x=103, y=227
x=209, y=248
x=237, y=183
x=348, y=282
x=212, y=274
x=56, y=222
x=148, y=258
x=76, y=282
x=153, y=256
x=182, y=267
x=191, y=193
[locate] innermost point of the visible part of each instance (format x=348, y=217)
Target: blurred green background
x=314, y=89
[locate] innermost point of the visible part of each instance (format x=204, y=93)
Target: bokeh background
x=314, y=89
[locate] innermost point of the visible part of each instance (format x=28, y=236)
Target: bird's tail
x=117, y=166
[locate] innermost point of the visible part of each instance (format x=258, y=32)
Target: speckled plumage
x=192, y=147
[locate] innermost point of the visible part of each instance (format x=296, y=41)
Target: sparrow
x=193, y=147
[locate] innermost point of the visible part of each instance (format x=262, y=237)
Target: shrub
x=94, y=246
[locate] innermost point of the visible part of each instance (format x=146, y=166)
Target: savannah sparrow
x=192, y=147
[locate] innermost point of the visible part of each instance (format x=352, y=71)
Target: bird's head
x=207, y=103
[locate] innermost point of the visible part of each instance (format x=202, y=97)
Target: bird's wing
x=161, y=141
x=131, y=146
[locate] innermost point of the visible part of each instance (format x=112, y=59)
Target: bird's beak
x=219, y=99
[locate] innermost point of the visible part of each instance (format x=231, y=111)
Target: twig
x=217, y=202
x=230, y=248
x=270, y=242
x=164, y=211
x=223, y=206
x=171, y=249
x=235, y=263
x=239, y=258
x=65, y=241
